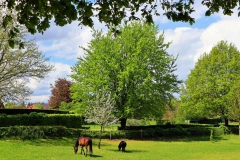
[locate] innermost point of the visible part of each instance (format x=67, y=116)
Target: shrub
x=41, y=119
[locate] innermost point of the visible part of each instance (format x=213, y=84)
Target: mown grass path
x=223, y=148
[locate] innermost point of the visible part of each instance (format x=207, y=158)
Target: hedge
x=41, y=119
x=28, y=111
x=35, y=132
x=168, y=125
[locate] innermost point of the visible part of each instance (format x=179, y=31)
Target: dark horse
x=122, y=145
x=83, y=142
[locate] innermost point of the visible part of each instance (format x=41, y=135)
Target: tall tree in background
x=17, y=65
x=36, y=15
x=133, y=66
x=60, y=93
x=207, y=88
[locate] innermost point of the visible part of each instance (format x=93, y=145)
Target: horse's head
x=119, y=147
x=75, y=148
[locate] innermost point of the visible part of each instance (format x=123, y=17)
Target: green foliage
x=207, y=89
x=36, y=15
x=38, y=106
x=211, y=135
x=134, y=67
x=14, y=106
x=222, y=130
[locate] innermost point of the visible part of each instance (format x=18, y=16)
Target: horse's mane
x=77, y=142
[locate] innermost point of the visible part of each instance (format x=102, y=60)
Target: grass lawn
x=223, y=148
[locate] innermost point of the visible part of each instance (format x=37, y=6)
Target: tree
x=60, y=93
x=207, y=88
x=133, y=66
x=17, y=65
x=36, y=15
x=15, y=106
x=100, y=110
x=234, y=103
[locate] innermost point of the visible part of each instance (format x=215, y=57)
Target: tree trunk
x=123, y=123
x=226, y=121
x=1, y=104
x=100, y=138
x=239, y=128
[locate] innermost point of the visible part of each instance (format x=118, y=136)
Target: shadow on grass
x=127, y=151
x=96, y=156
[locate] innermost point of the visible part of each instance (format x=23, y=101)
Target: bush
x=41, y=119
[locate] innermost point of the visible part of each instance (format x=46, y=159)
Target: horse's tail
x=90, y=146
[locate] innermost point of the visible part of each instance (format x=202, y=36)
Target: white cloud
x=226, y=29
x=42, y=88
x=190, y=43
x=185, y=41
x=65, y=42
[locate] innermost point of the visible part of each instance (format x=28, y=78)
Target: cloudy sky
x=61, y=44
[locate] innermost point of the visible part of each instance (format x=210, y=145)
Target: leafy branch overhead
x=36, y=15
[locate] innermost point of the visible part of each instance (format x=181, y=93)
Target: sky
x=62, y=44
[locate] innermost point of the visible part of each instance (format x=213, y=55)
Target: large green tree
x=207, y=88
x=134, y=66
x=18, y=65
x=37, y=14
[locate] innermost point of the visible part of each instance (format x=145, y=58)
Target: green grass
x=96, y=127
x=226, y=147
x=222, y=148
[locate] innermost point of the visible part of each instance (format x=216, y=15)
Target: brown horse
x=83, y=142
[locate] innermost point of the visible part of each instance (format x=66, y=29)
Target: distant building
x=34, y=106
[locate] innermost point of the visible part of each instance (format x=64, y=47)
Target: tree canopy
x=17, y=66
x=208, y=88
x=36, y=15
x=134, y=66
x=60, y=92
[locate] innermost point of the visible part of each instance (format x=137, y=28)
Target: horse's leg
x=86, y=150
x=82, y=149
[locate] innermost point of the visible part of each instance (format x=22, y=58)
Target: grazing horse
x=122, y=145
x=83, y=142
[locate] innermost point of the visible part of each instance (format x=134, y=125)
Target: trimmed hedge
x=34, y=132
x=28, y=111
x=41, y=119
x=168, y=125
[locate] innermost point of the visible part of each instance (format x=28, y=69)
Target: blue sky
x=62, y=44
